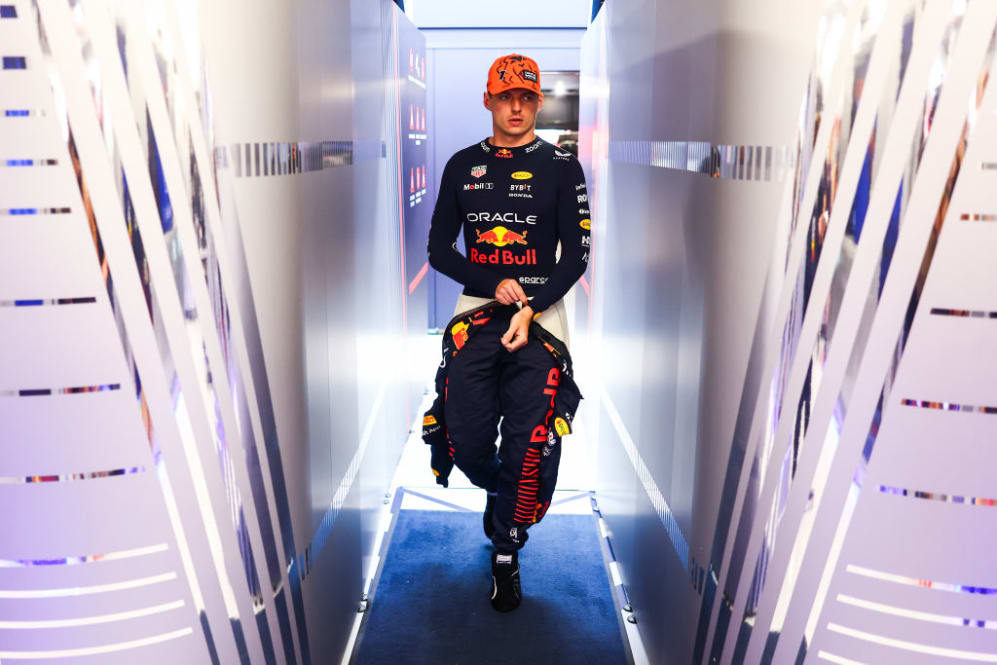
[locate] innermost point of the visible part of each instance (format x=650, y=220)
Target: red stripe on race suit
x=526, y=500
x=527, y=508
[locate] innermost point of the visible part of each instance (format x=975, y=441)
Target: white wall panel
x=48, y=266
x=41, y=444
x=246, y=291
x=846, y=253
x=675, y=75
x=58, y=346
x=930, y=416
x=54, y=528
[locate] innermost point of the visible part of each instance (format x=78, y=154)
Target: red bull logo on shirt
x=500, y=237
x=502, y=152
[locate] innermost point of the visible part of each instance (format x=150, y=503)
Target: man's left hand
x=518, y=333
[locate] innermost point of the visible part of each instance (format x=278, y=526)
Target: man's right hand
x=509, y=291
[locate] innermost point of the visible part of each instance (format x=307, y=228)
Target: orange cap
x=514, y=71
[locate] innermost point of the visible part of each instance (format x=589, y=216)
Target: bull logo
x=501, y=236
x=459, y=332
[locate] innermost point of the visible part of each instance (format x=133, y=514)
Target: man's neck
x=502, y=140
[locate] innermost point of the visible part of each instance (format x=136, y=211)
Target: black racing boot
x=506, y=592
x=486, y=520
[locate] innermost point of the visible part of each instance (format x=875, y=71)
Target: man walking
x=505, y=356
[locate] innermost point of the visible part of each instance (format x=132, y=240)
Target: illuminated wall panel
x=185, y=253
x=834, y=354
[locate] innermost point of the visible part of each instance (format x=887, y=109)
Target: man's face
x=514, y=112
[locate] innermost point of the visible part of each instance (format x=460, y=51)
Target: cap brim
x=535, y=92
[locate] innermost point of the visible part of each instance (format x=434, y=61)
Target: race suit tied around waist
x=459, y=333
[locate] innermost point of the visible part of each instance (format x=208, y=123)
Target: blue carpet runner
x=431, y=604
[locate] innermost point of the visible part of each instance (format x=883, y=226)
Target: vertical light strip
x=401, y=203
x=346, y=484
x=654, y=495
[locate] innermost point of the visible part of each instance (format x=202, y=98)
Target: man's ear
x=485, y=100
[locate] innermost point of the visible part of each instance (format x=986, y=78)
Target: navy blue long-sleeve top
x=514, y=204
